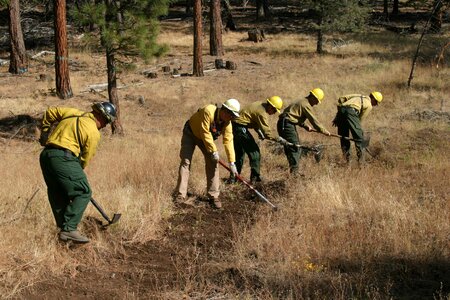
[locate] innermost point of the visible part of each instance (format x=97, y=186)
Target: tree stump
x=230, y=65
x=152, y=75
x=256, y=35
x=219, y=63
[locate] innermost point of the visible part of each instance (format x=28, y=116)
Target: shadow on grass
x=22, y=127
x=386, y=278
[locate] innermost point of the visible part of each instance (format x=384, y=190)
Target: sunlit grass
x=396, y=207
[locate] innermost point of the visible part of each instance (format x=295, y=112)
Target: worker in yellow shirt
x=254, y=116
x=351, y=111
x=68, y=150
x=294, y=115
x=201, y=130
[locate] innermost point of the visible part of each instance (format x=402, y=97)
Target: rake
x=260, y=196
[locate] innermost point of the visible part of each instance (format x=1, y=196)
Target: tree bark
x=110, y=20
x=395, y=9
x=18, y=57
x=215, y=33
x=319, y=41
x=63, y=89
x=436, y=19
x=188, y=7
x=262, y=9
x=116, y=126
x=198, y=62
x=319, y=48
x=386, y=9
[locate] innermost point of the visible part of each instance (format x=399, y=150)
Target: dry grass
x=341, y=233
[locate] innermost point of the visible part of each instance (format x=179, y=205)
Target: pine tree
x=18, y=62
x=63, y=88
x=337, y=16
x=197, y=69
x=126, y=28
x=215, y=31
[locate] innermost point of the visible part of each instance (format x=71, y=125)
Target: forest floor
x=195, y=237
x=191, y=246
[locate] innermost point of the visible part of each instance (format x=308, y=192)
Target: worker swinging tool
x=68, y=150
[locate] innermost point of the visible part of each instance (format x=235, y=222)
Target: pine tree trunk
x=63, y=89
x=116, y=126
x=198, y=62
x=188, y=6
x=111, y=17
x=215, y=33
x=319, y=41
x=262, y=9
x=18, y=58
x=395, y=10
x=386, y=9
x=436, y=19
x=319, y=48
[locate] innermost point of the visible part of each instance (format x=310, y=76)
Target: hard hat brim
x=236, y=114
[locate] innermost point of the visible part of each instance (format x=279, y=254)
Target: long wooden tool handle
x=100, y=209
x=334, y=135
x=239, y=177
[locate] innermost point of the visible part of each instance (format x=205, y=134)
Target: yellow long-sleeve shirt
x=207, y=119
x=300, y=111
x=255, y=116
x=65, y=134
x=356, y=101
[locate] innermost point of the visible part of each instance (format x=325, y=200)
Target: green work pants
x=67, y=187
x=244, y=143
x=288, y=131
x=347, y=120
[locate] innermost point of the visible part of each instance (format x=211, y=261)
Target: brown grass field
x=381, y=231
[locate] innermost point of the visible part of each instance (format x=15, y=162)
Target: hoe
x=365, y=142
x=115, y=217
x=260, y=196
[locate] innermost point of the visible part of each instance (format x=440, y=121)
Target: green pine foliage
x=126, y=27
x=340, y=15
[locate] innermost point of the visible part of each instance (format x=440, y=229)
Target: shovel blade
x=115, y=219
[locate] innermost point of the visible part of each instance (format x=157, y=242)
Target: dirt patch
x=189, y=253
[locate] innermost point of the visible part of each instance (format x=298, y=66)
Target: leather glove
x=233, y=169
x=215, y=156
x=282, y=141
x=43, y=138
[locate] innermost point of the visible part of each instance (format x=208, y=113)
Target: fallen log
x=43, y=53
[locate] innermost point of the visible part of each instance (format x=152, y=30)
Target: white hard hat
x=233, y=106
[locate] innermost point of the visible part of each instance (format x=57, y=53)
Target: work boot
x=73, y=235
x=255, y=180
x=231, y=180
x=215, y=203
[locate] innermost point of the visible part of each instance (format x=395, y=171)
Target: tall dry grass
x=338, y=228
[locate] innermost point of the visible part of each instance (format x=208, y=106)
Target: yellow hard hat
x=276, y=102
x=318, y=93
x=377, y=96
